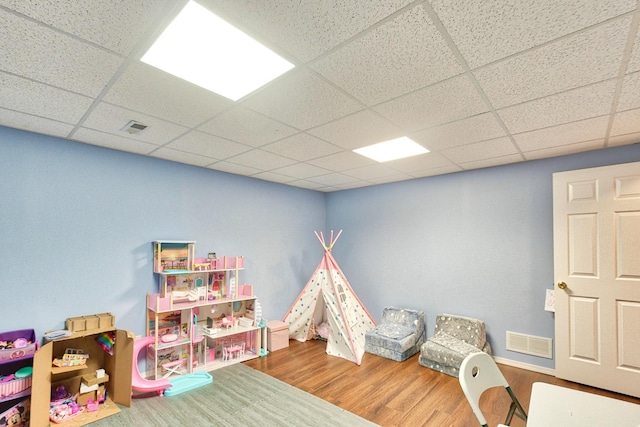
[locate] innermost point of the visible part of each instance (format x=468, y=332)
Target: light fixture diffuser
x=203, y=49
x=392, y=150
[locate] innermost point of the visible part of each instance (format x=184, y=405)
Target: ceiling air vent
x=134, y=127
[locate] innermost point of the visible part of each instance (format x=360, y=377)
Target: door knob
x=562, y=285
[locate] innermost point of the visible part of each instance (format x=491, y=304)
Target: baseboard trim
x=527, y=366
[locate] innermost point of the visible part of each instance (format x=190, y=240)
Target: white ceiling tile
x=333, y=179
x=234, y=168
x=417, y=163
x=358, y=130
x=346, y=52
x=301, y=171
x=182, y=157
x=207, y=145
x=116, y=24
x=261, y=159
x=577, y=104
x=564, y=134
x=370, y=172
x=114, y=142
x=436, y=171
x=427, y=107
x=630, y=94
x=273, y=177
x=248, y=127
x=301, y=147
x=618, y=140
x=32, y=123
x=50, y=57
x=302, y=100
x=630, y=138
x=626, y=122
x=398, y=57
x=305, y=184
x=41, y=100
x=480, y=150
x=307, y=29
x=329, y=189
x=177, y=101
x=634, y=61
x=486, y=31
x=473, y=129
x=564, y=150
x=582, y=59
x=342, y=161
x=111, y=119
x=495, y=161
x=391, y=178
x=346, y=186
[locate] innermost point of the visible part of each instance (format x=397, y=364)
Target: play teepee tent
x=328, y=297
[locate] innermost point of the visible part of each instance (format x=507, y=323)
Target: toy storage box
x=12, y=359
x=277, y=335
x=13, y=354
x=90, y=322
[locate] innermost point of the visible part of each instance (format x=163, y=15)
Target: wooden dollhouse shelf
x=193, y=294
x=184, y=272
x=227, y=332
x=178, y=342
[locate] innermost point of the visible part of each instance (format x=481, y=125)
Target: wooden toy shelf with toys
x=201, y=318
x=82, y=393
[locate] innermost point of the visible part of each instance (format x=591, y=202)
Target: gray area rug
x=239, y=396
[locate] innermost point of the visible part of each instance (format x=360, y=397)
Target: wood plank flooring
x=389, y=393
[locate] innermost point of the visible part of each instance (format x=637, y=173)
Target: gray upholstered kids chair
x=399, y=335
x=454, y=339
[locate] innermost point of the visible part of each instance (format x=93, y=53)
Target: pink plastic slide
x=139, y=383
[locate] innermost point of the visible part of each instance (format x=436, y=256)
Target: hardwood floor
x=389, y=393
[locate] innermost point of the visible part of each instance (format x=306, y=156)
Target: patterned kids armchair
x=454, y=339
x=399, y=335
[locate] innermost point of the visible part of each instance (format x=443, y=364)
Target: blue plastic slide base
x=188, y=382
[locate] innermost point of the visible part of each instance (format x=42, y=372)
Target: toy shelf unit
x=104, y=376
x=227, y=333
x=174, y=256
x=202, y=337
x=200, y=308
x=17, y=349
x=185, y=281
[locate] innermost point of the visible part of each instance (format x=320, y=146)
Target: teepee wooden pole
x=336, y=239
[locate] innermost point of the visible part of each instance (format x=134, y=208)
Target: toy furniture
x=197, y=311
x=115, y=357
x=399, y=334
x=277, y=335
x=454, y=339
x=172, y=367
x=479, y=372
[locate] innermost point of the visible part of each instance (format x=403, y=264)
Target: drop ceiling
x=478, y=83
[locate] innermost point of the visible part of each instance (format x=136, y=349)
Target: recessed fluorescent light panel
x=394, y=149
x=203, y=49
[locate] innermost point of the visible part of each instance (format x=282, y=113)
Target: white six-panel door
x=596, y=221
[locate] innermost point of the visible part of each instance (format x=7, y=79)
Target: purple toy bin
x=24, y=345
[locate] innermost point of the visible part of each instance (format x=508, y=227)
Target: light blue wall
x=476, y=243
x=76, y=222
